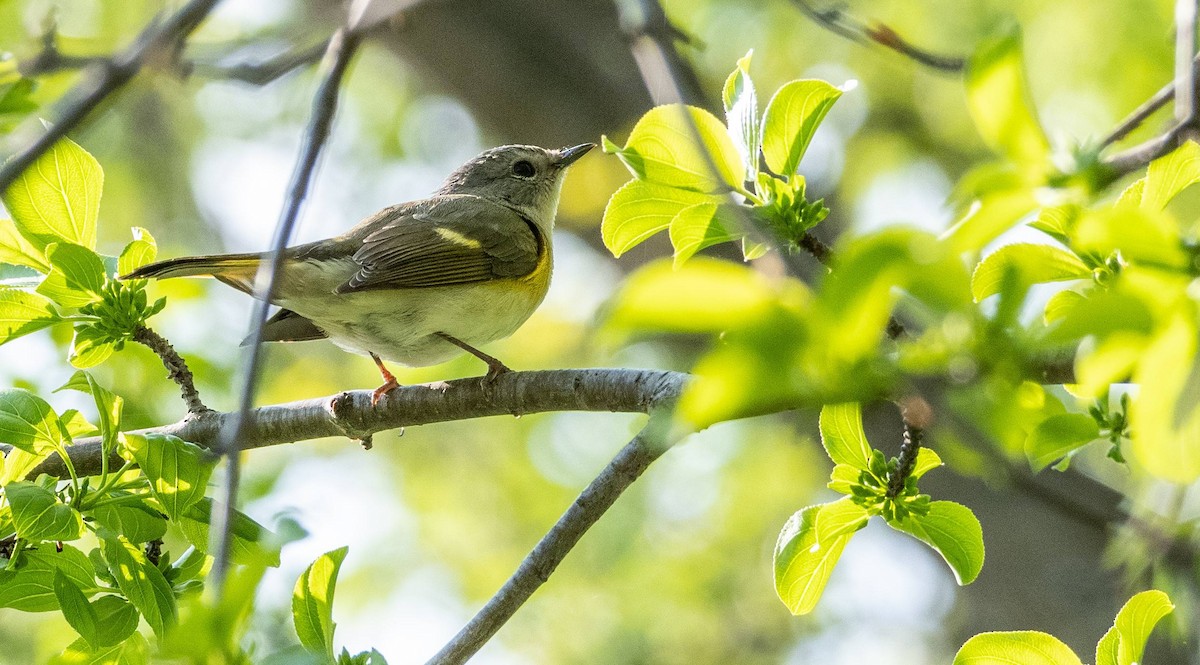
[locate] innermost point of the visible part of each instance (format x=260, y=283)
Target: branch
x=177, y=369
x=350, y=414
x=107, y=78
x=837, y=21
x=540, y=563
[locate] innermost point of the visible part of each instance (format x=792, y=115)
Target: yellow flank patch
x=458, y=238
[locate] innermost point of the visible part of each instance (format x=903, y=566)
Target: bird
x=420, y=282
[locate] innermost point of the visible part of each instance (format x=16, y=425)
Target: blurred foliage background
x=437, y=517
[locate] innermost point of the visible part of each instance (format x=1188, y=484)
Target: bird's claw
x=387, y=387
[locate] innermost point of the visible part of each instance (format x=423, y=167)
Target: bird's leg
x=389, y=381
x=495, y=367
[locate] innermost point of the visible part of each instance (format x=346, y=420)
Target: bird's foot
x=496, y=369
x=388, y=386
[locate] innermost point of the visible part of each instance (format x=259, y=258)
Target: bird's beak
x=568, y=156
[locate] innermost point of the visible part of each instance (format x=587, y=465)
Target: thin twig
x=837, y=21
x=540, y=563
x=337, y=58
x=105, y=79
x=1185, y=51
x=177, y=368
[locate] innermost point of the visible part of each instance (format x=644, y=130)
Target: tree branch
x=350, y=414
x=837, y=21
x=540, y=563
x=105, y=79
x=177, y=369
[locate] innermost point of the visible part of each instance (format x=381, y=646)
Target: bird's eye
x=523, y=169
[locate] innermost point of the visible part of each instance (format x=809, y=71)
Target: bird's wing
x=445, y=241
x=288, y=326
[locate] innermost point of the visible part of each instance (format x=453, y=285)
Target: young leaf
x=1166, y=416
x=842, y=435
x=137, y=253
x=1034, y=264
x=29, y=586
x=999, y=102
x=117, y=620
x=741, y=114
x=1057, y=221
x=76, y=278
x=58, y=197
x=18, y=251
x=1027, y=647
x=1124, y=643
x=640, y=209
x=90, y=347
x=700, y=226
x=141, y=582
x=927, y=461
x=312, y=602
x=953, y=531
x=803, y=563
x=27, y=422
x=108, y=406
x=1058, y=435
x=988, y=218
x=178, y=470
x=1169, y=175
x=132, y=651
x=253, y=544
x=76, y=609
x=22, y=313
x=1142, y=236
x=662, y=149
x=791, y=120
x=38, y=515
x=18, y=464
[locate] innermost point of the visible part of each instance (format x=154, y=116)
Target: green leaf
x=662, y=149
x=927, y=461
x=22, y=313
x=38, y=514
x=108, y=406
x=640, y=209
x=253, y=545
x=29, y=587
x=117, y=620
x=27, y=422
x=58, y=197
x=741, y=113
x=1165, y=417
x=76, y=425
x=90, y=347
x=18, y=464
x=312, y=602
x=1026, y=647
x=952, y=530
x=133, y=651
x=76, y=609
x=138, y=253
x=700, y=226
x=999, y=102
x=141, y=581
x=791, y=119
x=178, y=471
x=77, y=275
x=139, y=523
x=1057, y=221
x=703, y=296
x=803, y=560
x=1034, y=264
x=988, y=218
x=1061, y=304
x=843, y=437
x=1058, y=435
x=1124, y=643
x=18, y=251
x=1141, y=235
x=1169, y=175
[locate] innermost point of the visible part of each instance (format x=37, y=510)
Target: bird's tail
x=236, y=270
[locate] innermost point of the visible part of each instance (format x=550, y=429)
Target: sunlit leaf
x=641, y=209
x=700, y=226
x=1124, y=643
x=312, y=602
x=18, y=251
x=1142, y=236
x=58, y=197
x=137, y=253
x=76, y=609
x=76, y=277
x=1166, y=415
x=842, y=435
x=178, y=470
x=988, y=218
x=1057, y=221
x=252, y=545
x=741, y=113
x=138, y=522
x=132, y=651
x=662, y=148
x=1027, y=647
x=141, y=581
x=117, y=620
x=1033, y=264
x=90, y=347
x=927, y=461
x=1169, y=175
x=1058, y=435
x=29, y=586
x=27, y=422
x=22, y=312
x=39, y=515
x=1060, y=304
x=953, y=531
x=791, y=120
x=999, y=102
x=803, y=564
x=108, y=406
